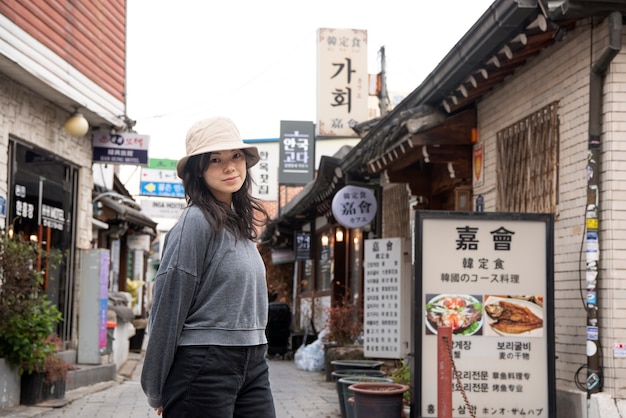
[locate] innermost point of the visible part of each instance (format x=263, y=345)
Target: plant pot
x=357, y=364
x=34, y=389
x=344, y=392
x=378, y=399
x=9, y=385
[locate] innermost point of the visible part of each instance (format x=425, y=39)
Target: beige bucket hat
x=215, y=134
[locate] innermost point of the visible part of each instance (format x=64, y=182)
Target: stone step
x=87, y=374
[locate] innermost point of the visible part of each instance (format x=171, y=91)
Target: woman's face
x=225, y=174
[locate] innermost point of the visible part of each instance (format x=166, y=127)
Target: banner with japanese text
x=489, y=277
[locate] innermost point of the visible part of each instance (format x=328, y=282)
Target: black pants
x=218, y=381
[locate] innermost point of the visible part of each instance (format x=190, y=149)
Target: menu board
x=386, y=298
x=489, y=277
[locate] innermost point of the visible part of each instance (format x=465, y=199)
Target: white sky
x=255, y=61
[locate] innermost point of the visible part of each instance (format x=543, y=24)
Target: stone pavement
x=297, y=394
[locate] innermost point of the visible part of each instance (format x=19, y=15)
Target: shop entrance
x=41, y=206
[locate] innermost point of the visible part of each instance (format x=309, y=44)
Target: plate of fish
x=513, y=316
x=462, y=313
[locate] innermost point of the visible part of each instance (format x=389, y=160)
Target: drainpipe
x=598, y=72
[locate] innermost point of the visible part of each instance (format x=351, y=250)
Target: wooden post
x=444, y=373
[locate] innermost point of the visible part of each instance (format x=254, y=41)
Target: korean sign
x=265, y=173
x=387, y=290
x=343, y=81
x=354, y=207
x=297, y=152
x=160, y=179
x=487, y=276
x=303, y=245
x=122, y=148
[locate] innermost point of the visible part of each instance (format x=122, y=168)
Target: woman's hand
x=158, y=410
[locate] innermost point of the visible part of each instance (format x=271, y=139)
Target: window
x=527, y=163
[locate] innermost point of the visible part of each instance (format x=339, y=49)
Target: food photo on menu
x=517, y=316
x=491, y=315
x=461, y=312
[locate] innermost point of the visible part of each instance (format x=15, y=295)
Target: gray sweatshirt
x=208, y=291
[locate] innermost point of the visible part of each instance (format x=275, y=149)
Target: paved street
x=297, y=394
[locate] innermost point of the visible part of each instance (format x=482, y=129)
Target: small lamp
x=339, y=235
x=76, y=125
x=324, y=240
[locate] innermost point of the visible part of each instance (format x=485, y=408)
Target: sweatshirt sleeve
x=174, y=290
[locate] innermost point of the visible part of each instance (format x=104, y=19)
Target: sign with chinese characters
x=120, y=148
x=160, y=179
x=387, y=290
x=489, y=277
x=297, y=152
x=303, y=245
x=265, y=173
x=354, y=207
x=342, y=81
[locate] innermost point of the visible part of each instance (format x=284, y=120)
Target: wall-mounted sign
x=354, y=207
x=478, y=164
x=303, y=245
x=265, y=173
x=297, y=152
x=160, y=179
x=489, y=277
x=122, y=148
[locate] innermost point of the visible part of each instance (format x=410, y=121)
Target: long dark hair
x=247, y=213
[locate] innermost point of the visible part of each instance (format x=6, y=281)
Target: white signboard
x=386, y=295
x=163, y=208
x=343, y=80
x=265, y=173
x=354, y=207
x=489, y=278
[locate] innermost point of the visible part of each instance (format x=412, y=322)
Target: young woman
x=206, y=348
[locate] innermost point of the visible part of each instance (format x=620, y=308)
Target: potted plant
x=345, y=325
x=402, y=375
x=28, y=320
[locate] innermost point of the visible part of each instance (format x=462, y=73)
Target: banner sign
x=488, y=277
x=122, y=148
x=297, y=153
x=265, y=173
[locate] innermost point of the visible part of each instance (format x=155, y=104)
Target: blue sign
x=162, y=189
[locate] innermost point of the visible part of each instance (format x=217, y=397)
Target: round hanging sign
x=354, y=207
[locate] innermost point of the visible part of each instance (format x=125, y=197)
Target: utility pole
x=383, y=96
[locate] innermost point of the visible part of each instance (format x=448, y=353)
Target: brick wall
x=562, y=73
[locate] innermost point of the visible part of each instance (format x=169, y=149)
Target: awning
x=127, y=213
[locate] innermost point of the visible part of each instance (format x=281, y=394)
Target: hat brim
x=252, y=158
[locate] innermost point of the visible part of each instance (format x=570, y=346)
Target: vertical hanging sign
x=342, y=81
x=489, y=277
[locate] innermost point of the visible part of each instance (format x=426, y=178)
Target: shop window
x=527, y=163
x=40, y=208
